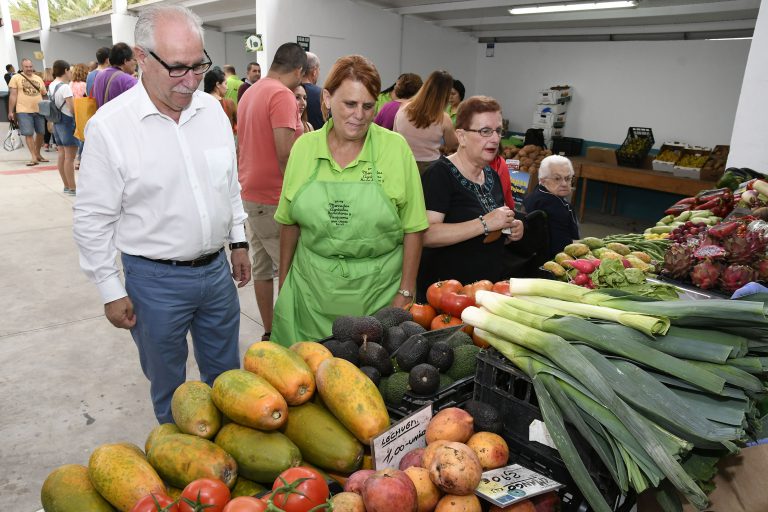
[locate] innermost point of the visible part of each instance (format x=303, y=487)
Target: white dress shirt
x=151, y=187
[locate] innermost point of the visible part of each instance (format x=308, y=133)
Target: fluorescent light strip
x=588, y=6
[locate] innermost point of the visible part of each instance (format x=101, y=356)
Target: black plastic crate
x=499, y=383
x=568, y=146
x=455, y=395
x=636, y=147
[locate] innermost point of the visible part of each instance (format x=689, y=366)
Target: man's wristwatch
x=238, y=245
x=405, y=293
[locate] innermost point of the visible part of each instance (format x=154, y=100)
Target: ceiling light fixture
x=582, y=6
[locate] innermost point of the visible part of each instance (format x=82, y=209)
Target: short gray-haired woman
x=550, y=196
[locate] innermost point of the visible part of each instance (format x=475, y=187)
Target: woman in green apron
x=352, y=214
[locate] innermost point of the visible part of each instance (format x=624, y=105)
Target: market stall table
x=640, y=178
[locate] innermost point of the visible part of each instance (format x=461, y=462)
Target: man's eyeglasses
x=487, y=132
x=180, y=70
x=561, y=179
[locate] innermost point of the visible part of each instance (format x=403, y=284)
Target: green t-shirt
x=233, y=84
x=398, y=174
x=383, y=98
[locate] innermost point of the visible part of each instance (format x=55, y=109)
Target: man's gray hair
x=144, y=34
x=312, y=61
x=545, y=168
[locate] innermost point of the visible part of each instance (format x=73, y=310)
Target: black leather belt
x=197, y=262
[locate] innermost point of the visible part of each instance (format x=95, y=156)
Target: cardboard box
x=548, y=120
x=559, y=108
x=666, y=166
x=602, y=155
x=740, y=485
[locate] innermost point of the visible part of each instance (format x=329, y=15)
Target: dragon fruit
x=761, y=267
x=739, y=250
x=736, y=276
x=678, y=260
x=705, y=274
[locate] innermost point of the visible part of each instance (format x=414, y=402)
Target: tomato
x=150, y=502
x=453, y=303
x=313, y=491
x=207, y=491
x=442, y=321
x=245, y=504
x=423, y=314
x=436, y=290
x=475, y=287
x=502, y=287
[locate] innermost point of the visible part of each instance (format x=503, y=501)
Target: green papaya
x=261, y=456
x=68, y=489
x=194, y=411
x=182, y=458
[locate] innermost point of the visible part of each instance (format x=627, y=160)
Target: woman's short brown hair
x=79, y=73
x=474, y=105
x=407, y=85
x=356, y=68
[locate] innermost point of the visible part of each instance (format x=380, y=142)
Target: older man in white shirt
x=158, y=183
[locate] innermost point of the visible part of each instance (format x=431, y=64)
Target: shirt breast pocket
x=220, y=162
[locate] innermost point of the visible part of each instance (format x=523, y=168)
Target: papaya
x=261, y=456
x=245, y=487
x=68, y=489
x=283, y=368
x=353, y=398
x=193, y=410
x=249, y=400
x=122, y=475
x=322, y=439
x=183, y=458
x=159, y=431
x=174, y=492
x=312, y=352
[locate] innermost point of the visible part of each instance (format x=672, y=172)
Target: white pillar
x=45, y=29
x=266, y=12
x=7, y=42
x=123, y=24
x=748, y=136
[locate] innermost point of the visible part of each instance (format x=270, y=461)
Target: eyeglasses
x=487, y=132
x=180, y=70
x=561, y=179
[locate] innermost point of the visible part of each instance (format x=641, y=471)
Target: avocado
x=487, y=418
x=372, y=374
x=382, y=385
x=342, y=328
x=445, y=381
x=344, y=350
x=393, y=338
x=414, y=351
x=391, y=316
x=440, y=356
x=458, y=339
x=397, y=385
x=424, y=379
x=373, y=354
x=367, y=328
x=410, y=328
x=464, y=362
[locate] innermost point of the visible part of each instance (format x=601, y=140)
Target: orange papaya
x=193, y=410
x=122, y=475
x=312, y=352
x=353, y=398
x=159, y=431
x=249, y=400
x=283, y=368
x=68, y=489
x=183, y=458
x=261, y=456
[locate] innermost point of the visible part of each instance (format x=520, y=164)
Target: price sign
x=505, y=486
x=404, y=436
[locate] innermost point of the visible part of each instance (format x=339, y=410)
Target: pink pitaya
x=739, y=250
x=678, y=260
x=761, y=267
x=736, y=276
x=705, y=274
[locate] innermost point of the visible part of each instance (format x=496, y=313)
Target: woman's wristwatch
x=406, y=293
x=238, y=245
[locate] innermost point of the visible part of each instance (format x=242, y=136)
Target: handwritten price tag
x=512, y=483
x=406, y=435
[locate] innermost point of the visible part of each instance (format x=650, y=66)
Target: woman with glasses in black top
x=555, y=185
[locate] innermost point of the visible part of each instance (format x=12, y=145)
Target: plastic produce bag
x=12, y=140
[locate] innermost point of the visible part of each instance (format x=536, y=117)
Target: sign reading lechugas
x=390, y=447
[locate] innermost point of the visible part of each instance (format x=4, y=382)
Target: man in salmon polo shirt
x=267, y=123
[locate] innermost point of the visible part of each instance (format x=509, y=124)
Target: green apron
x=348, y=259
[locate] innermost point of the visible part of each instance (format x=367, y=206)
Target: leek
x=733, y=375
x=756, y=365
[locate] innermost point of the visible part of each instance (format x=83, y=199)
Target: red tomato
x=436, y=290
x=423, y=314
x=443, y=321
x=207, y=491
x=472, y=289
x=150, y=502
x=245, y=504
x=454, y=303
x=313, y=491
x=502, y=287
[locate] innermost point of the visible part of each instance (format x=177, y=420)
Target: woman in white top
x=64, y=129
x=425, y=124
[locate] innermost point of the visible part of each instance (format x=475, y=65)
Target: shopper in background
x=233, y=83
x=253, y=74
x=351, y=213
x=424, y=123
x=166, y=196
x=9, y=72
x=268, y=124
x=64, y=128
x=118, y=78
x=26, y=91
x=214, y=84
x=550, y=195
x=102, y=60
x=465, y=204
x=406, y=87
x=455, y=99
x=314, y=93
x=301, y=101
x=386, y=95
x=49, y=140
x=78, y=86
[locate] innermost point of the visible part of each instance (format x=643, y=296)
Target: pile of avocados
x=400, y=356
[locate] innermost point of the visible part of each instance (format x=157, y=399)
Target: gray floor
x=70, y=380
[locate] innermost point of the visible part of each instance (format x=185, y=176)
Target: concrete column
x=123, y=24
x=748, y=136
x=45, y=30
x=266, y=12
x=7, y=42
